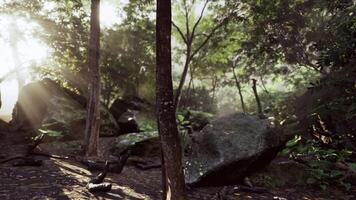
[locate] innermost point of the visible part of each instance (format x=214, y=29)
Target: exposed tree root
x=113, y=166
x=12, y=158
x=101, y=187
x=96, y=183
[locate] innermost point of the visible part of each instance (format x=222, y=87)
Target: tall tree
x=238, y=85
x=173, y=185
x=93, y=109
x=15, y=37
x=194, y=40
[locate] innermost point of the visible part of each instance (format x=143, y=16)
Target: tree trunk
x=170, y=142
x=183, y=77
x=15, y=37
x=240, y=92
x=188, y=39
x=93, y=109
x=189, y=89
x=264, y=86
x=259, y=106
x=214, y=83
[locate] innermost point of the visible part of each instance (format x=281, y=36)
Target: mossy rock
x=131, y=139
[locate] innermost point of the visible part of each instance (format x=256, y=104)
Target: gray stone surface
x=230, y=148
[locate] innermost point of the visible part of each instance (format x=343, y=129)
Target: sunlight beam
x=30, y=50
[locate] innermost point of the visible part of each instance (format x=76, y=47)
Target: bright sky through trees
x=32, y=50
x=29, y=49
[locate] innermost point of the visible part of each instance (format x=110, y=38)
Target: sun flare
x=109, y=14
x=18, y=49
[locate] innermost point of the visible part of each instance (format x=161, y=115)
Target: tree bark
x=259, y=106
x=214, y=83
x=239, y=89
x=264, y=86
x=174, y=187
x=188, y=39
x=182, y=78
x=93, y=108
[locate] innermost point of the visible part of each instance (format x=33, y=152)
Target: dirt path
x=66, y=179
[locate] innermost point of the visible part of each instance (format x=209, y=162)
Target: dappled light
x=18, y=50
x=31, y=104
x=178, y=99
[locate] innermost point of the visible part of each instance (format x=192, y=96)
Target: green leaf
x=323, y=187
x=180, y=118
x=294, y=141
x=51, y=133
x=346, y=185
x=335, y=173
x=352, y=165
x=311, y=180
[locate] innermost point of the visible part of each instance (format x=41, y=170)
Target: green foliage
x=285, y=44
x=198, y=99
x=315, y=34
x=331, y=115
x=128, y=61
x=51, y=133
x=148, y=125
x=321, y=161
x=192, y=120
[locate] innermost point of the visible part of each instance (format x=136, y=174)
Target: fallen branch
x=114, y=166
x=119, y=165
x=29, y=150
x=36, y=141
x=96, y=183
x=100, y=177
x=102, y=187
x=148, y=166
x=12, y=158
x=257, y=190
x=49, y=155
x=28, y=162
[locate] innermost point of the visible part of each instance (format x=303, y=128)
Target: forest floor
x=66, y=179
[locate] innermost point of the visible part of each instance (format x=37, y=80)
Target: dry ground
x=66, y=179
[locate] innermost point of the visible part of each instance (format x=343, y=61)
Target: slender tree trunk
x=188, y=39
x=93, y=108
x=182, y=78
x=264, y=86
x=190, y=82
x=15, y=36
x=214, y=85
x=259, y=106
x=240, y=92
x=174, y=187
x=189, y=89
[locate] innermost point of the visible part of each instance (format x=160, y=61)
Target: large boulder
x=31, y=107
x=230, y=148
x=143, y=144
x=196, y=119
x=45, y=104
x=124, y=111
